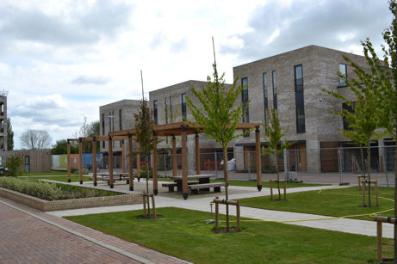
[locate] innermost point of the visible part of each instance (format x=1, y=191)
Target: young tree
x=276, y=146
x=35, y=139
x=387, y=75
x=218, y=114
x=10, y=135
x=365, y=117
x=144, y=128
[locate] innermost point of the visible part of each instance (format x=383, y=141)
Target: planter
x=44, y=205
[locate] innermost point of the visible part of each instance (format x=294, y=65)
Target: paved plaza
x=30, y=236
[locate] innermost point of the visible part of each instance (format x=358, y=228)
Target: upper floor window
x=183, y=107
x=348, y=108
x=244, y=99
x=120, y=119
x=103, y=123
x=274, y=87
x=166, y=110
x=342, y=74
x=171, y=114
x=265, y=100
x=155, y=112
x=299, y=99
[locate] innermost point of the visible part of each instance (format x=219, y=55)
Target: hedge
x=49, y=191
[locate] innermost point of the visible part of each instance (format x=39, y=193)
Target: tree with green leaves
x=276, y=146
x=218, y=114
x=10, y=135
x=60, y=148
x=363, y=114
x=385, y=73
x=144, y=127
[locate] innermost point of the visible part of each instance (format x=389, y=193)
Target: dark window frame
x=265, y=96
x=183, y=107
x=155, y=112
x=245, y=100
x=120, y=119
x=342, y=82
x=299, y=100
x=274, y=88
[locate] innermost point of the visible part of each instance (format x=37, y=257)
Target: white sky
x=61, y=60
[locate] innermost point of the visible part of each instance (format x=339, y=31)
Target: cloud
x=81, y=80
x=101, y=19
x=46, y=110
x=340, y=24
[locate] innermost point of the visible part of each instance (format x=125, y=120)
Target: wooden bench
x=197, y=187
x=171, y=186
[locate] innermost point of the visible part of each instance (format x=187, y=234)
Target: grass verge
x=345, y=202
x=185, y=234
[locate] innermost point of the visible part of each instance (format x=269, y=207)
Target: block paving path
x=30, y=236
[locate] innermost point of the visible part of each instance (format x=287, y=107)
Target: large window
x=183, y=106
x=299, y=99
x=274, y=88
x=349, y=108
x=155, y=112
x=166, y=110
x=171, y=114
x=244, y=100
x=342, y=75
x=265, y=100
x=120, y=119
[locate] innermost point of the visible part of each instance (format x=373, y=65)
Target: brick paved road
x=26, y=239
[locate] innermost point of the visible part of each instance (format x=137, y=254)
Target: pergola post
x=81, y=160
x=129, y=155
x=173, y=155
x=258, y=159
x=185, y=187
x=155, y=161
x=110, y=161
x=197, y=153
x=94, y=171
x=68, y=160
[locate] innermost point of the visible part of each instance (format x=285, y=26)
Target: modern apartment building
x=168, y=105
x=3, y=121
x=114, y=117
x=294, y=83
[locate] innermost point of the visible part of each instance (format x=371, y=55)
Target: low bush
x=14, y=165
x=40, y=190
x=48, y=191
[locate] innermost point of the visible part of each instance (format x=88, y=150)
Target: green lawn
x=332, y=202
x=265, y=183
x=185, y=234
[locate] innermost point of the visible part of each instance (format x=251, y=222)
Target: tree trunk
x=395, y=197
x=147, y=174
x=369, y=172
x=226, y=179
x=362, y=160
x=277, y=173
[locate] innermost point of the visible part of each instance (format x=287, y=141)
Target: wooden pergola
x=182, y=129
x=110, y=139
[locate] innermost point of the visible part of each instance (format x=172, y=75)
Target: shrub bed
x=49, y=191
